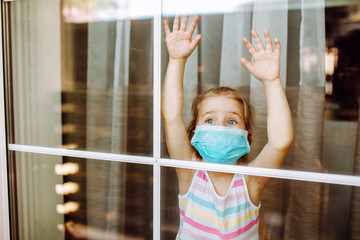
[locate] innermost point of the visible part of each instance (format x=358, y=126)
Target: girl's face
x=221, y=111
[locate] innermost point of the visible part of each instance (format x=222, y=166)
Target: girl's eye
x=231, y=122
x=211, y=121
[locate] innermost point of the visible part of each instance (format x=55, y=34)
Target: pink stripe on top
x=202, y=176
x=216, y=232
x=238, y=183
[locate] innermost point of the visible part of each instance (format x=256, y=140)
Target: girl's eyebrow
x=236, y=113
x=206, y=113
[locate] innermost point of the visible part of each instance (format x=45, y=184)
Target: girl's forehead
x=220, y=103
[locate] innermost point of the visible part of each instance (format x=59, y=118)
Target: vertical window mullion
x=156, y=118
x=7, y=186
x=4, y=208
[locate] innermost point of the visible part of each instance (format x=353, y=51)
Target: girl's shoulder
x=185, y=178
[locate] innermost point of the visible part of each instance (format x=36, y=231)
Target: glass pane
x=319, y=70
x=289, y=210
x=82, y=75
x=71, y=198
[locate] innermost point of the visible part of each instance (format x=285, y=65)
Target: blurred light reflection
x=67, y=188
x=67, y=208
x=61, y=227
x=66, y=168
x=331, y=58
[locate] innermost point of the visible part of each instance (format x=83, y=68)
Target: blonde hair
x=225, y=92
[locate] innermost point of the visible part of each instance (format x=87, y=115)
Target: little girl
x=217, y=205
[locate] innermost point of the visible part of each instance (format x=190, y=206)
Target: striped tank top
x=204, y=215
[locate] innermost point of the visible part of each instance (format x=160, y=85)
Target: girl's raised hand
x=266, y=61
x=179, y=42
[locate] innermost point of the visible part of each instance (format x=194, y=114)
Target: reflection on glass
x=83, y=77
x=67, y=208
x=66, y=168
x=101, y=200
x=289, y=210
x=67, y=188
x=109, y=10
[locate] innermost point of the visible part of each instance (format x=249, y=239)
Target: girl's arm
x=180, y=47
x=266, y=68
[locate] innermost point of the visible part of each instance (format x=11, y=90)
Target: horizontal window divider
x=115, y=157
x=328, y=178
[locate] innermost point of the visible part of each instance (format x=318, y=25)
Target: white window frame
x=4, y=205
x=156, y=161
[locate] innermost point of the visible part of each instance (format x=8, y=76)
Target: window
x=87, y=154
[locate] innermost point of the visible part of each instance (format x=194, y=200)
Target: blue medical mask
x=218, y=144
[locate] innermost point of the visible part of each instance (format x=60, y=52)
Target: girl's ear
x=249, y=137
x=192, y=133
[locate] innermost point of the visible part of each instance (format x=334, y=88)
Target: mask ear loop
x=249, y=137
x=197, y=154
x=192, y=133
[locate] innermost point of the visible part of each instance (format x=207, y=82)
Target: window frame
x=4, y=190
x=156, y=160
x=4, y=207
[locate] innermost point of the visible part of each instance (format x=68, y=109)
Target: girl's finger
x=246, y=64
x=184, y=23
x=195, y=42
x=166, y=27
x=249, y=46
x=176, y=23
x=257, y=40
x=268, y=43
x=277, y=47
x=193, y=24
